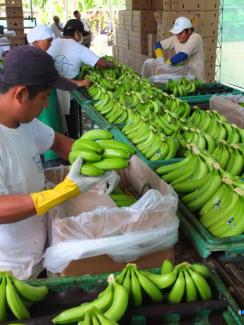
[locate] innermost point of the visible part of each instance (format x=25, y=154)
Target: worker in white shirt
x=87, y=35
x=188, y=47
x=57, y=27
x=69, y=55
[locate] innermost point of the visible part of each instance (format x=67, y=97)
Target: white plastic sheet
x=125, y=234
x=161, y=73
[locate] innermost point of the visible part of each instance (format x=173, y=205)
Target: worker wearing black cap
x=28, y=76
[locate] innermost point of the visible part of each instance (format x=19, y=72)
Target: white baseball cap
x=180, y=24
x=39, y=33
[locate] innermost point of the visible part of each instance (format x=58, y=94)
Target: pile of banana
x=182, y=86
x=216, y=125
x=133, y=287
x=16, y=296
x=100, y=152
x=206, y=188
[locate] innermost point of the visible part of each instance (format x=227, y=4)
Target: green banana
x=116, y=153
x=97, y=134
x=191, y=290
x=86, y=144
x=87, y=155
x=149, y=287
x=119, y=302
x=167, y=266
x=203, y=288
x=201, y=269
x=162, y=281
x=14, y=301
x=3, y=304
x=176, y=293
x=136, y=291
x=90, y=170
x=30, y=292
x=114, y=144
x=111, y=163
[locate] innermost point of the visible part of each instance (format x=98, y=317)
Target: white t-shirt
x=86, y=25
x=57, y=32
x=22, y=243
x=193, y=48
x=69, y=56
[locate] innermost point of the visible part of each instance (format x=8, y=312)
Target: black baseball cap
x=30, y=66
x=73, y=25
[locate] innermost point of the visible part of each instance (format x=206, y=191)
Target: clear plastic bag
x=229, y=106
x=158, y=72
x=125, y=234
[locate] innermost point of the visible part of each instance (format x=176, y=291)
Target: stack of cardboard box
x=140, y=34
x=15, y=21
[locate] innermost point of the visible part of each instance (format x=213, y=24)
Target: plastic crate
x=205, y=92
x=204, y=242
x=119, y=135
x=201, y=310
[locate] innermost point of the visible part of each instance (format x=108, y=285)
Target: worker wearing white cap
x=188, y=47
x=41, y=37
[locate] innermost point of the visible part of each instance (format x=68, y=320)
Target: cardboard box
x=15, y=23
x=17, y=41
x=121, y=22
x=161, y=4
x=14, y=12
x=151, y=38
x=144, y=21
x=210, y=48
x=138, y=42
x=128, y=20
x=137, y=178
x=13, y=3
x=122, y=38
x=209, y=67
x=194, y=4
x=138, y=4
x=115, y=51
x=103, y=263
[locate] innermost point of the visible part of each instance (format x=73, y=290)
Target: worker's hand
x=83, y=83
x=168, y=61
x=84, y=183
x=109, y=183
x=110, y=64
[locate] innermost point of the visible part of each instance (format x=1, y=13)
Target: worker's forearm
x=104, y=64
x=62, y=145
x=14, y=208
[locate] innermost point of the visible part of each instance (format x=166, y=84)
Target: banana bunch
x=182, y=86
x=100, y=152
x=223, y=213
x=198, y=137
x=17, y=295
x=230, y=157
x=122, y=199
x=137, y=284
x=177, y=106
x=107, y=308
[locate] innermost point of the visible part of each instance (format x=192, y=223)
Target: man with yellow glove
x=188, y=47
x=28, y=76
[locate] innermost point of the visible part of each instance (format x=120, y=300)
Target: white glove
x=109, y=183
x=105, y=183
x=83, y=182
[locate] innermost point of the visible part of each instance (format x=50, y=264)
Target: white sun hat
x=39, y=33
x=180, y=24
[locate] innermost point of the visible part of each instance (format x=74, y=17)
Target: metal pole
x=31, y=8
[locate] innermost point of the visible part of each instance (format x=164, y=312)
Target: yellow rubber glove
x=168, y=61
x=72, y=185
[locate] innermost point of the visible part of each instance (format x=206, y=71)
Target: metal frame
x=219, y=43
